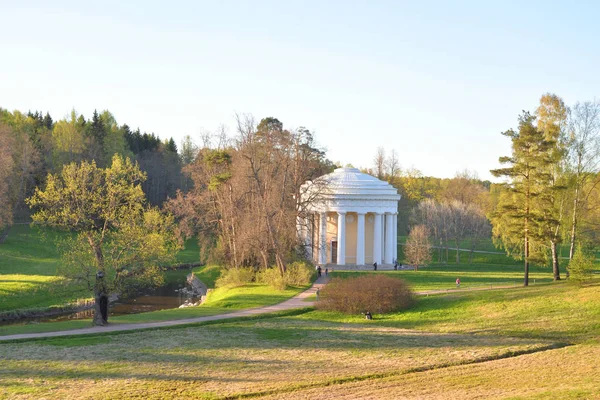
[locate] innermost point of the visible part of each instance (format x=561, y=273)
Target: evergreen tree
x=48, y=123
x=518, y=220
x=171, y=146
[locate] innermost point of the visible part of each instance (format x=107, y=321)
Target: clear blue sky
x=436, y=81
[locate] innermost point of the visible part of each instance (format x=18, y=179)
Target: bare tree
x=248, y=197
x=379, y=162
x=584, y=157
x=418, y=248
x=392, y=166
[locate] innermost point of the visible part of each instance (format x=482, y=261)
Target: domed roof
x=348, y=189
x=352, y=181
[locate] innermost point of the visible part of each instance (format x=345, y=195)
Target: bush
x=375, y=293
x=581, y=266
x=235, y=277
x=271, y=277
x=298, y=273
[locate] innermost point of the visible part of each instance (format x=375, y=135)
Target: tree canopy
x=116, y=236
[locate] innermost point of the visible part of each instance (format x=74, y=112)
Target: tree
x=551, y=120
x=516, y=220
x=417, y=250
x=392, y=166
x=379, y=162
x=6, y=171
x=583, y=159
x=246, y=199
x=117, y=241
x=189, y=150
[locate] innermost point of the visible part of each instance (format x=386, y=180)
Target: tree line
x=32, y=145
x=549, y=197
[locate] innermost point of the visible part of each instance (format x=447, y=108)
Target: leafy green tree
x=118, y=242
x=517, y=219
x=551, y=120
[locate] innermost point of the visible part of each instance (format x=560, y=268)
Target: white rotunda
x=351, y=219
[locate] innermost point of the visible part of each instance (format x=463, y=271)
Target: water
x=167, y=296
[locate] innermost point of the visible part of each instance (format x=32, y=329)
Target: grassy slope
x=232, y=357
x=340, y=355
x=219, y=301
x=28, y=279
x=438, y=277
x=28, y=270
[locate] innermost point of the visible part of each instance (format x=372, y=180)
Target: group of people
x=320, y=271
x=395, y=265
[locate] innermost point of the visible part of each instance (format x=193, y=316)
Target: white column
x=389, y=232
x=377, y=239
x=382, y=236
x=322, y=238
x=309, y=237
x=395, y=248
x=341, y=238
x=360, y=239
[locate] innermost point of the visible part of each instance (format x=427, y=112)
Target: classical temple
x=351, y=219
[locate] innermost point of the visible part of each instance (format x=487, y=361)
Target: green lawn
x=478, y=344
x=440, y=277
x=561, y=312
x=28, y=270
x=28, y=263
x=219, y=301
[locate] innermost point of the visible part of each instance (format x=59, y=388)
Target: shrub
x=581, y=266
x=375, y=293
x=298, y=273
x=271, y=277
x=235, y=277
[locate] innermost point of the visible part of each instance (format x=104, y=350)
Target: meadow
x=499, y=343
x=541, y=341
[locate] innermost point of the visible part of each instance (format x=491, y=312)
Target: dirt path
x=295, y=302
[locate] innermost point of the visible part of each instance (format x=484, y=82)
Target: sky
x=436, y=81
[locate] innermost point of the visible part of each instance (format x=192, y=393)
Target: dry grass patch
x=231, y=358
x=567, y=373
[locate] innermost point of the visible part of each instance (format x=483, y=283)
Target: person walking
x=319, y=271
x=457, y=282
x=374, y=266
x=326, y=271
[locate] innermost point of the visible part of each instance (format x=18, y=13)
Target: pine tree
x=518, y=220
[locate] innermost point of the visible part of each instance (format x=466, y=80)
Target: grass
x=440, y=277
x=233, y=358
x=28, y=277
x=542, y=375
x=219, y=301
x=479, y=344
x=504, y=343
x=559, y=312
x=28, y=270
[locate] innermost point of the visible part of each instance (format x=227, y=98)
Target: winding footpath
x=298, y=301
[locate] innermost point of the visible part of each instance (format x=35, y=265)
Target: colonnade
x=384, y=234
